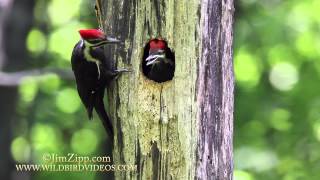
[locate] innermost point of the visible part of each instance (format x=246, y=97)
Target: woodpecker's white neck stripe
x=88, y=56
x=81, y=43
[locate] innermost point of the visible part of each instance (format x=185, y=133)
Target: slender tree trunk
x=7, y=102
x=15, y=22
x=180, y=129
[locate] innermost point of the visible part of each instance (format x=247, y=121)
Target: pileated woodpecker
x=159, y=62
x=93, y=72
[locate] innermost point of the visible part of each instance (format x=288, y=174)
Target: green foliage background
x=277, y=118
x=51, y=116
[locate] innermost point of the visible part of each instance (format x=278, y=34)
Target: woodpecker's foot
x=120, y=71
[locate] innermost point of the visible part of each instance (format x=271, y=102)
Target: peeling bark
x=180, y=129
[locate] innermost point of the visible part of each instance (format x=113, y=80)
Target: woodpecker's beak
x=153, y=58
x=111, y=40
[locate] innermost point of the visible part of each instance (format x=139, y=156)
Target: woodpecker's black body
x=90, y=84
x=93, y=72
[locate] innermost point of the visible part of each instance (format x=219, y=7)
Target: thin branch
x=14, y=78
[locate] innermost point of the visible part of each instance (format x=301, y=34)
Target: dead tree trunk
x=179, y=129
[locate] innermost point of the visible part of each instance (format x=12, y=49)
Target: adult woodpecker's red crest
x=157, y=44
x=91, y=34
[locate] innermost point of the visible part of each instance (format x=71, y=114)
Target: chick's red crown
x=157, y=44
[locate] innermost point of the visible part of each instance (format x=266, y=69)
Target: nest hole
x=158, y=62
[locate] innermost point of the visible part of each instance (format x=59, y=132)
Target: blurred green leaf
x=84, y=142
x=284, y=76
x=316, y=129
x=280, y=119
x=254, y=159
x=281, y=53
x=308, y=44
x=299, y=16
x=20, y=149
x=28, y=89
x=45, y=138
x=49, y=83
x=36, y=41
x=63, y=39
x=242, y=175
x=62, y=11
x=68, y=100
x=246, y=69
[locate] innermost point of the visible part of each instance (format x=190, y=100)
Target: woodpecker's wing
x=86, y=77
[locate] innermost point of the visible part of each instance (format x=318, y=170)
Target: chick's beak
x=154, y=57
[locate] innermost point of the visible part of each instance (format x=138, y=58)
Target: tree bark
x=180, y=129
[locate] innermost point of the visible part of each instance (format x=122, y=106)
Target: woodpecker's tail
x=89, y=112
x=99, y=107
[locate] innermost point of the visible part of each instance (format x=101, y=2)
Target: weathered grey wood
x=181, y=129
x=215, y=91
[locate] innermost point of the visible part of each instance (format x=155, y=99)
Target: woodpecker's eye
x=94, y=41
x=158, y=62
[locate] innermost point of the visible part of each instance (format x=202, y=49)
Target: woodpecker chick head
x=96, y=38
x=157, y=51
